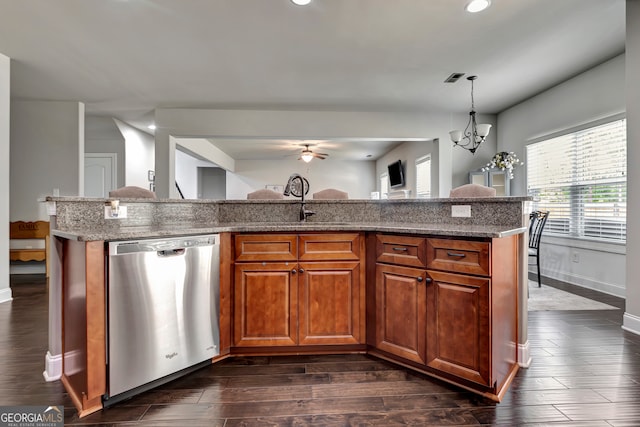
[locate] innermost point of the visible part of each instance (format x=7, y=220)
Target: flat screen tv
x=396, y=174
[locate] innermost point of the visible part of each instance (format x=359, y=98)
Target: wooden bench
x=30, y=230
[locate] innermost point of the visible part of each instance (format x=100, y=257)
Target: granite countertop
x=127, y=233
x=457, y=200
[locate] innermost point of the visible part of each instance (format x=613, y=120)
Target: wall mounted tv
x=396, y=174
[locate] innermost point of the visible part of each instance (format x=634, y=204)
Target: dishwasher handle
x=171, y=252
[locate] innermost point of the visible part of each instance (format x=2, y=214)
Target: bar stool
x=537, y=221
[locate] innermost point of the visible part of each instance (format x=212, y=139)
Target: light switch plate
x=461, y=211
x=122, y=213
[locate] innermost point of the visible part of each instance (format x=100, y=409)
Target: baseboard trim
x=631, y=323
x=5, y=295
x=524, y=355
x=52, y=367
x=585, y=282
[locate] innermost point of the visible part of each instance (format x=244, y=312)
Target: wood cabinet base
x=83, y=405
x=493, y=393
x=308, y=350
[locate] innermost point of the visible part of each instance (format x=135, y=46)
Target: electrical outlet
x=575, y=257
x=109, y=214
x=461, y=211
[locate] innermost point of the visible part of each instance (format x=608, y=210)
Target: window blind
x=423, y=176
x=581, y=179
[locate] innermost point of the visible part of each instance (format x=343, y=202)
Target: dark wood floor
x=585, y=372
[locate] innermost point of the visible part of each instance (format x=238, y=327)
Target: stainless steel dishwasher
x=163, y=310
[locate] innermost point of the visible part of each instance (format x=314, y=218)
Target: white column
x=632, y=62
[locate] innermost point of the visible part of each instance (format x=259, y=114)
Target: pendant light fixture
x=474, y=134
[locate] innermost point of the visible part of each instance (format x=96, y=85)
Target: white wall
x=187, y=173
x=592, y=95
x=212, y=183
x=408, y=152
x=313, y=125
x=103, y=136
x=5, y=104
x=632, y=315
x=139, y=155
x=355, y=177
x=47, y=152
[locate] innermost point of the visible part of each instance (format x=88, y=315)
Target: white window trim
x=605, y=245
x=418, y=162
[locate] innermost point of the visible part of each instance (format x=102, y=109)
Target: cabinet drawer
x=330, y=247
x=266, y=247
x=401, y=250
x=461, y=256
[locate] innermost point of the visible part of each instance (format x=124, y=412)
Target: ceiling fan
x=307, y=155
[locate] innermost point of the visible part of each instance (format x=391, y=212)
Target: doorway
x=100, y=174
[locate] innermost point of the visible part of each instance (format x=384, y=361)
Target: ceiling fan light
x=306, y=157
x=301, y=2
x=477, y=5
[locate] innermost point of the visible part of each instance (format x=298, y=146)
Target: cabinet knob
x=293, y=271
x=419, y=279
x=301, y=270
x=429, y=280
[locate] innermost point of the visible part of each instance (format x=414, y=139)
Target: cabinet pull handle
x=400, y=249
x=301, y=270
x=293, y=271
x=456, y=254
x=419, y=279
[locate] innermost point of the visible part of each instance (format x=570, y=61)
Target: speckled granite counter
x=408, y=228
x=83, y=218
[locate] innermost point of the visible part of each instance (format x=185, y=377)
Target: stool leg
x=539, y=277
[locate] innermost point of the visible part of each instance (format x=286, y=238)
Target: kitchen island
x=400, y=279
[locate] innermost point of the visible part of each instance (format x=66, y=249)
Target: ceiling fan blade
x=319, y=157
x=321, y=154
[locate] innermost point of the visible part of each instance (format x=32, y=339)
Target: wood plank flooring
x=585, y=372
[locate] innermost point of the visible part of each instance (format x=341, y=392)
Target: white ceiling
x=124, y=58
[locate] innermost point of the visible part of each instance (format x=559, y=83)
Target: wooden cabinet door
x=265, y=302
x=401, y=308
x=330, y=299
x=458, y=326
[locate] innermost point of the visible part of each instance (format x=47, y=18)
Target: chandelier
x=474, y=133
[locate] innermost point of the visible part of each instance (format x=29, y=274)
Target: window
x=423, y=176
x=384, y=185
x=581, y=179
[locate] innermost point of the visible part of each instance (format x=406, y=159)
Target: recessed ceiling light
x=152, y=127
x=301, y=2
x=477, y=5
